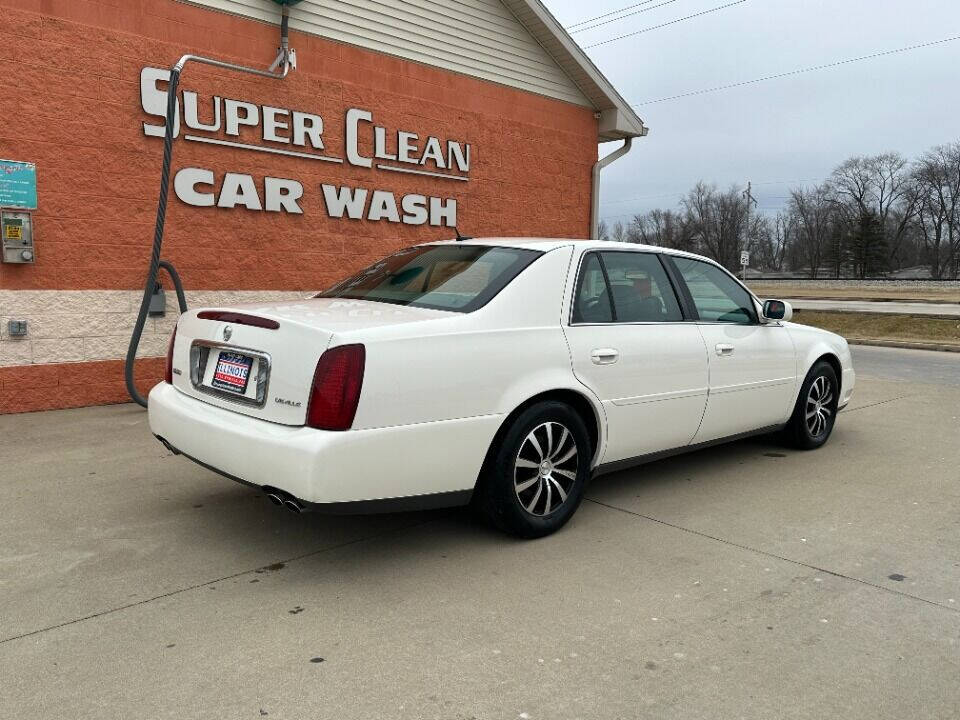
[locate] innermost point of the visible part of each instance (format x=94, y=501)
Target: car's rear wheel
x=816, y=410
x=534, y=478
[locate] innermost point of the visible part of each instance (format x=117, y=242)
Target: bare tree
x=717, y=221
x=783, y=234
x=852, y=180
x=619, y=232
x=875, y=213
x=768, y=239
x=895, y=201
x=813, y=214
x=665, y=228
x=757, y=238
x=603, y=230
x=936, y=179
x=877, y=185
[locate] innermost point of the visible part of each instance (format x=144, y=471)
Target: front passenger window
x=716, y=295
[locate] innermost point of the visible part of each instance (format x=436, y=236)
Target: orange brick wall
x=27, y=388
x=72, y=105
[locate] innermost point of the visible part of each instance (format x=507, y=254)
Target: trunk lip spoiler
x=238, y=318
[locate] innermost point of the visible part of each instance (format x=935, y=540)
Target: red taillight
x=168, y=374
x=336, y=388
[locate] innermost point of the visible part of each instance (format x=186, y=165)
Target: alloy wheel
x=545, y=468
x=819, y=408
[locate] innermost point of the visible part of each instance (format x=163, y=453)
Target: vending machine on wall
x=18, y=200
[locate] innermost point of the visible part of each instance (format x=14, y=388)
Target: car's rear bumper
x=321, y=468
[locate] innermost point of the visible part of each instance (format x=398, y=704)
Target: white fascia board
x=616, y=125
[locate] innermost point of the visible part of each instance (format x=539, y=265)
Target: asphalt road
x=921, y=366
x=743, y=581
x=868, y=306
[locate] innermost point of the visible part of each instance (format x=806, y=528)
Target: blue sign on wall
x=18, y=184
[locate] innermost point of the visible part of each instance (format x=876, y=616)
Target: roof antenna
x=460, y=238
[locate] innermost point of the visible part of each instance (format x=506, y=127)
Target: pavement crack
x=879, y=402
x=768, y=554
x=197, y=586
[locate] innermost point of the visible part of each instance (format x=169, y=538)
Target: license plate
x=232, y=372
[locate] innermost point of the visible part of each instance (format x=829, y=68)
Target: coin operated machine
x=16, y=232
x=18, y=197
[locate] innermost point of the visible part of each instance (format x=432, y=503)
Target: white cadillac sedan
x=506, y=372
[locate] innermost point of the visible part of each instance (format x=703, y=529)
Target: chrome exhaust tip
x=275, y=499
x=167, y=445
x=293, y=506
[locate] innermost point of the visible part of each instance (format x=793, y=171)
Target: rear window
x=460, y=278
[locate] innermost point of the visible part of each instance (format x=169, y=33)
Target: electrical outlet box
x=16, y=236
x=158, y=302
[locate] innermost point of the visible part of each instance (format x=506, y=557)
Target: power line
x=629, y=216
x=680, y=193
x=799, y=71
x=788, y=182
x=618, y=19
x=622, y=215
x=661, y=25
x=608, y=14
x=643, y=197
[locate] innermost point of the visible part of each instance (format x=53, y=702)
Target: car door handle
x=604, y=356
x=724, y=349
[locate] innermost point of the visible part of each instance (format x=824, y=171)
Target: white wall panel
x=90, y=325
x=480, y=38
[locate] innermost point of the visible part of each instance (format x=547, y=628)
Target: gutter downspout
x=595, y=201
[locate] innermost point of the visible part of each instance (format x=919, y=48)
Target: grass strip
x=883, y=326
x=944, y=295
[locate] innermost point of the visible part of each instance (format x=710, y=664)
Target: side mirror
x=774, y=310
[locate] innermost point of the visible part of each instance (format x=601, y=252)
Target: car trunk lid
x=259, y=359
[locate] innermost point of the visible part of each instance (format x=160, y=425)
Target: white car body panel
x=655, y=392
x=438, y=385
x=308, y=328
x=813, y=343
x=754, y=385
x=430, y=374
x=325, y=467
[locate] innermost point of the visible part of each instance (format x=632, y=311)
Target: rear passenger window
x=592, y=302
x=640, y=289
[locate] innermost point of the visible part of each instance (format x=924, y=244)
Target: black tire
x=512, y=479
x=809, y=433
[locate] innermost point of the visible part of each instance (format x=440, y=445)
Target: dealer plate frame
x=200, y=351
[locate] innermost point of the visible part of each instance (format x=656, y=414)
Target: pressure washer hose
x=155, y=262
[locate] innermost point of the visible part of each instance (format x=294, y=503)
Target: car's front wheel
x=816, y=410
x=535, y=476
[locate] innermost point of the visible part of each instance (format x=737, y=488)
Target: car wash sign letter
x=297, y=134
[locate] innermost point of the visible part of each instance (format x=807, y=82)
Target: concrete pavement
x=870, y=306
x=745, y=581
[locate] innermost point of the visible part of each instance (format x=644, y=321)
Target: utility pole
x=745, y=252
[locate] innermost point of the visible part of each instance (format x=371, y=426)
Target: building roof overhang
x=617, y=120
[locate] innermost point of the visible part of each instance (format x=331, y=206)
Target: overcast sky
x=778, y=132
